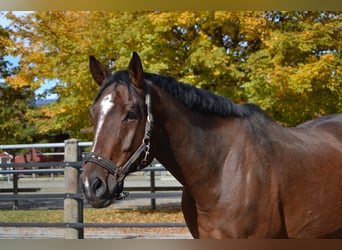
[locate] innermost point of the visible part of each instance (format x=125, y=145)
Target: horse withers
x=243, y=175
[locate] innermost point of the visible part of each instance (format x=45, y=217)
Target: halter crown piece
x=143, y=150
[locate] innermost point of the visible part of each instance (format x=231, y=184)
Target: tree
x=15, y=125
x=296, y=75
x=15, y=103
x=56, y=46
x=286, y=62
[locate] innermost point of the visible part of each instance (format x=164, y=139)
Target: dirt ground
x=58, y=233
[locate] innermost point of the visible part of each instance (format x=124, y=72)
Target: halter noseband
x=143, y=150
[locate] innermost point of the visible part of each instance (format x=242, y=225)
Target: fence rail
x=73, y=198
x=92, y=225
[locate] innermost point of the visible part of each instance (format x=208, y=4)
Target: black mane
x=194, y=98
x=201, y=100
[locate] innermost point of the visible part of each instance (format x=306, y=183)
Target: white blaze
x=86, y=183
x=105, y=106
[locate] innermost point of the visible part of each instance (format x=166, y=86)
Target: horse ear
x=97, y=70
x=135, y=70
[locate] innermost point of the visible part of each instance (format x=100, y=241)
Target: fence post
x=153, y=189
x=15, y=191
x=73, y=207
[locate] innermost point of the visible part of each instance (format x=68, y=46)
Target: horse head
x=122, y=129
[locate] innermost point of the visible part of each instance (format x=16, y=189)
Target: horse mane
x=201, y=100
x=196, y=99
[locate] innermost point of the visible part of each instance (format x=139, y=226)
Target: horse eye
x=131, y=115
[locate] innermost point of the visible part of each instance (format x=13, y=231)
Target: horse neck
x=187, y=142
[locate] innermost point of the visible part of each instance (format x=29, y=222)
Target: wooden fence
x=73, y=198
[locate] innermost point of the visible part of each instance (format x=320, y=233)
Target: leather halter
x=143, y=149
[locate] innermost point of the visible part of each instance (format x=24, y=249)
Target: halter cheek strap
x=142, y=151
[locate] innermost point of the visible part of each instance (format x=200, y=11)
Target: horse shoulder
x=249, y=205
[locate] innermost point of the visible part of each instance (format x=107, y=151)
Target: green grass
x=139, y=215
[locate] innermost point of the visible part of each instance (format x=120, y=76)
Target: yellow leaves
x=19, y=81
x=47, y=116
x=275, y=59
x=176, y=18
x=159, y=19
x=217, y=72
x=329, y=57
x=4, y=41
x=222, y=15
x=37, y=57
x=185, y=18
x=49, y=112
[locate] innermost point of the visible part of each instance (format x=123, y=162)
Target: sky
x=14, y=60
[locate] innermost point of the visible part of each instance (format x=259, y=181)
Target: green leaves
x=15, y=107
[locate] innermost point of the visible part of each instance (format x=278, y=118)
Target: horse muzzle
x=102, y=192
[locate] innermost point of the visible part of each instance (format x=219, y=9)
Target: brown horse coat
x=244, y=176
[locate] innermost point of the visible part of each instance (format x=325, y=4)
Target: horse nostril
x=98, y=187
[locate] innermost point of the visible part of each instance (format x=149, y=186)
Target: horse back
x=326, y=125
x=311, y=190
x=323, y=121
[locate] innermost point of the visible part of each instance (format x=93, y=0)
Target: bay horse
x=243, y=174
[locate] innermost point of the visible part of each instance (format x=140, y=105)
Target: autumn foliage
x=289, y=63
